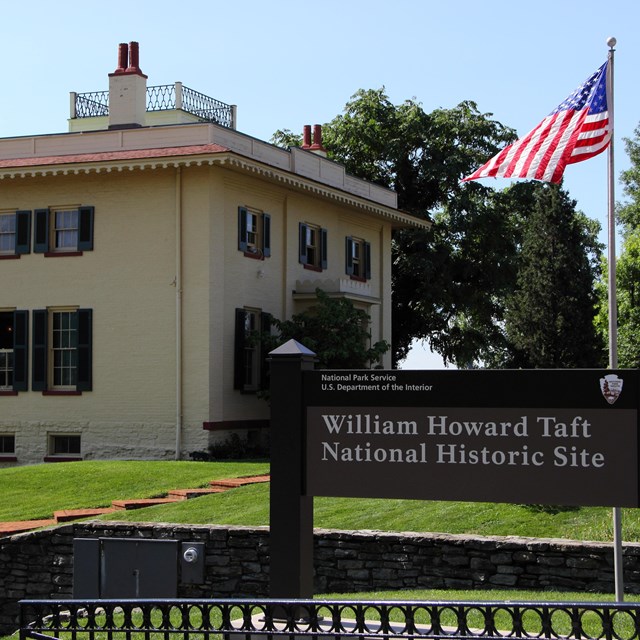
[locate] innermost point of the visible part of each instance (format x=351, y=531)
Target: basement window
x=64, y=445
x=7, y=444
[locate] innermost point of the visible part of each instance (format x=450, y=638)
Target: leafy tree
x=627, y=266
x=629, y=212
x=550, y=316
x=335, y=330
x=453, y=282
x=628, y=298
x=447, y=281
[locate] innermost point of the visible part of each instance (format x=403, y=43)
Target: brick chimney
x=306, y=136
x=127, y=90
x=317, y=147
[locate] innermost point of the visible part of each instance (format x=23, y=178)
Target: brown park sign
x=563, y=437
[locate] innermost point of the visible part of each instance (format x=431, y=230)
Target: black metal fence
x=240, y=619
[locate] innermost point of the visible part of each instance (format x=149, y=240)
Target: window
x=7, y=444
x=60, y=231
x=313, y=246
x=64, y=445
x=254, y=233
x=62, y=350
x=249, y=359
x=14, y=329
x=15, y=233
x=358, y=258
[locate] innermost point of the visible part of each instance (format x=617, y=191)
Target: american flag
x=576, y=130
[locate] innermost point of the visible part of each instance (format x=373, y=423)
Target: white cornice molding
x=225, y=159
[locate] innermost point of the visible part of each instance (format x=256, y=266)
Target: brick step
x=127, y=505
x=10, y=528
x=67, y=515
x=231, y=483
x=186, y=494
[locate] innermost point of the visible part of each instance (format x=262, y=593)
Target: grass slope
x=35, y=492
x=250, y=506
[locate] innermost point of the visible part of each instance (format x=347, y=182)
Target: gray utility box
x=134, y=568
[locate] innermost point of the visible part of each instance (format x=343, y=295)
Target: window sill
x=62, y=254
x=8, y=392
x=312, y=267
x=358, y=278
x=10, y=256
x=53, y=392
x=62, y=459
x=255, y=255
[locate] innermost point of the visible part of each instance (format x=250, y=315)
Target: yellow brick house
x=136, y=251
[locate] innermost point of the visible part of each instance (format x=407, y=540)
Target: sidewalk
x=175, y=495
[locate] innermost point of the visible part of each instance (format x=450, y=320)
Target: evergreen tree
x=550, y=317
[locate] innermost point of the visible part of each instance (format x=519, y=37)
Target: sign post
x=291, y=512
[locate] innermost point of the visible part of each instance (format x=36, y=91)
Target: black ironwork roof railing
x=202, y=619
x=207, y=108
x=92, y=104
x=161, y=98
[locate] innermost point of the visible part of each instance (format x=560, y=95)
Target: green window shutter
x=84, y=349
x=323, y=248
x=23, y=232
x=20, y=350
x=302, y=250
x=349, y=256
x=85, y=228
x=238, y=353
x=367, y=260
x=266, y=235
x=39, y=350
x=265, y=328
x=41, y=231
x=242, y=229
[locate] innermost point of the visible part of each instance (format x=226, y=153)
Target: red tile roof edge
x=101, y=156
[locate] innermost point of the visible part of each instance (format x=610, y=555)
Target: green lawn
x=35, y=492
x=250, y=506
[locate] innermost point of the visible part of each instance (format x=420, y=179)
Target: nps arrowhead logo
x=611, y=387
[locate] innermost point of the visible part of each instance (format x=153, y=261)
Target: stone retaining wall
x=40, y=564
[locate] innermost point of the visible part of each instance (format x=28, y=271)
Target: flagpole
x=613, y=314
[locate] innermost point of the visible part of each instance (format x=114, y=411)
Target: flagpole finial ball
x=611, y=42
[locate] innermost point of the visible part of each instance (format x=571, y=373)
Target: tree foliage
x=447, y=281
x=450, y=283
x=627, y=266
x=629, y=212
x=335, y=330
x=550, y=315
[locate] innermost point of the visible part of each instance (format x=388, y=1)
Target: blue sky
x=288, y=63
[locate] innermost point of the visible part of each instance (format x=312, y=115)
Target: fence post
x=291, y=513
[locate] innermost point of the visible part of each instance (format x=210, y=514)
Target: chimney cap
x=317, y=140
x=129, y=59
